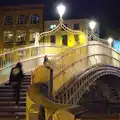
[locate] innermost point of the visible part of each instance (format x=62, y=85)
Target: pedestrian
x=45, y=60
x=16, y=76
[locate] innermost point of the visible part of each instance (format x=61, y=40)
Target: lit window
x=52, y=27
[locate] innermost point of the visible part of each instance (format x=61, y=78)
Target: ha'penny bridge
x=73, y=75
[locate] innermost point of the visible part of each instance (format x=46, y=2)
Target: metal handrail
x=63, y=70
x=82, y=59
x=75, y=49
x=32, y=46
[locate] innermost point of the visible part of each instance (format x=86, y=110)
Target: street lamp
x=110, y=40
x=61, y=10
x=36, y=39
x=92, y=25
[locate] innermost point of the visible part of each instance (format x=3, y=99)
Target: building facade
x=65, y=38
x=18, y=25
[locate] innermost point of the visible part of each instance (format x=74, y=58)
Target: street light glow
x=92, y=25
x=110, y=40
x=61, y=10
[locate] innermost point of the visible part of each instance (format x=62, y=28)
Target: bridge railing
x=61, y=72
x=31, y=57
x=74, y=92
x=11, y=57
x=70, y=93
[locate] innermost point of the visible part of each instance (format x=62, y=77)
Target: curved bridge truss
x=81, y=83
x=59, y=26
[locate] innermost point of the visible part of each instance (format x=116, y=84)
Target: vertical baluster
x=30, y=52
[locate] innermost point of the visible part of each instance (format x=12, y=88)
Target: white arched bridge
x=74, y=71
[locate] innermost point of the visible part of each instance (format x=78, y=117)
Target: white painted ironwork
x=82, y=82
x=10, y=58
x=93, y=37
x=59, y=27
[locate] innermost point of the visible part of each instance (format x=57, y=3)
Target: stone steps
x=8, y=109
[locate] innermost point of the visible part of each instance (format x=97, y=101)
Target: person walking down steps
x=16, y=76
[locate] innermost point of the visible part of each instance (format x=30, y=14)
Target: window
x=76, y=27
x=52, y=38
x=64, y=39
x=8, y=36
x=8, y=20
x=34, y=19
x=21, y=19
x=52, y=27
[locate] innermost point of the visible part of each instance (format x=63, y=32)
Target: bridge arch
x=83, y=81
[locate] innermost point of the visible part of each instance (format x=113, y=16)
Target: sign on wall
x=116, y=45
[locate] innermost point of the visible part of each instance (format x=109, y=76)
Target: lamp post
x=110, y=40
x=61, y=11
x=92, y=25
x=36, y=39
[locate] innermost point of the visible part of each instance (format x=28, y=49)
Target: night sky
x=106, y=12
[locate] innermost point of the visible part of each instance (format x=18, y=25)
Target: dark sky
x=106, y=12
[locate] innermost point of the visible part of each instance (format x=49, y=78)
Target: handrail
x=8, y=59
x=33, y=46
x=75, y=49
x=82, y=59
x=25, y=60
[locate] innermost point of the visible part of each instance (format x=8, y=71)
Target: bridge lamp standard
x=61, y=10
x=110, y=40
x=92, y=25
x=36, y=36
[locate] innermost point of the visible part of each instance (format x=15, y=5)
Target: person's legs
x=14, y=86
x=17, y=94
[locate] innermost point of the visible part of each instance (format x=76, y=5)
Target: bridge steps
x=8, y=109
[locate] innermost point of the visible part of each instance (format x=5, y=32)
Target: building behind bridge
x=18, y=24
x=65, y=38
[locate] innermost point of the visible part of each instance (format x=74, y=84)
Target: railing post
x=50, y=86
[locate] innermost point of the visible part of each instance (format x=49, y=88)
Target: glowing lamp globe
x=92, y=25
x=110, y=40
x=61, y=10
